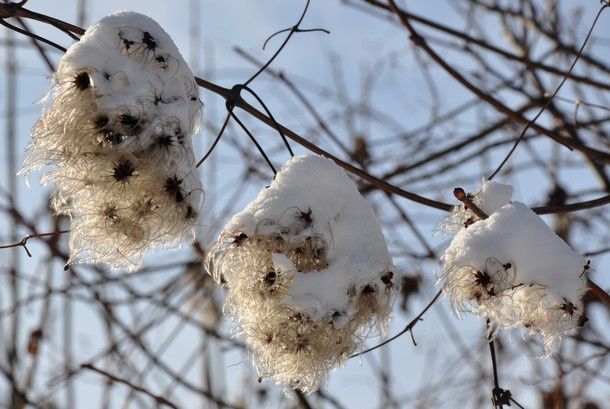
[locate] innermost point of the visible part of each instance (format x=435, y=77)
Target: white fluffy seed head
x=512, y=269
x=117, y=136
x=308, y=273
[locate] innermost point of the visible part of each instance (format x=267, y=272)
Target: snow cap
x=514, y=270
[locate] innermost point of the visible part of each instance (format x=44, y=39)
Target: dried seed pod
x=109, y=143
x=512, y=269
x=308, y=273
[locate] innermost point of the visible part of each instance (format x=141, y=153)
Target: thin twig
x=516, y=403
x=32, y=35
x=549, y=100
x=303, y=402
x=374, y=181
x=408, y=327
x=24, y=241
x=599, y=292
x=309, y=106
x=253, y=139
x=461, y=195
x=41, y=50
x=468, y=39
x=500, y=397
x=296, y=30
x=279, y=50
x=589, y=204
x=158, y=399
x=220, y=133
x=234, y=97
x=276, y=125
x=419, y=41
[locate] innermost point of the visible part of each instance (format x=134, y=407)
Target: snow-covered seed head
x=308, y=273
x=512, y=269
x=117, y=136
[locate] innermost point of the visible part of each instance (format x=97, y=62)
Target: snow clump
x=117, y=136
x=512, y=269
x=308, y=273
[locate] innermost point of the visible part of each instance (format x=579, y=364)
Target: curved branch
x=8, y=10
x=589, y=204
x=490, y=47
x=408, y=327
x=495, y=103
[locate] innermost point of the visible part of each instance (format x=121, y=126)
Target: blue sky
x=360, y=41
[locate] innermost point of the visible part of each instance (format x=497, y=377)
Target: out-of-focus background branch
x=374, y=98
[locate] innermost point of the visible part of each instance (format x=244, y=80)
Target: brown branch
x=309, y=106
x=490, y=47
x=589, y=204
x=378, y=183
x=158, y=399
x=419, y=41
x=532, y=121
x=8, y=11
x=16, y=10
x=39, y=48
x=24, y=241
x=598, y=292
x=409, y=327
x=460, y=195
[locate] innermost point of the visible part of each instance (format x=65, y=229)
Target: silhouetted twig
x=157, y=398
x=409, y=327
x=24, y=241
x=550, y=99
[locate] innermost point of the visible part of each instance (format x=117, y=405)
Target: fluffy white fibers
x=117, y=137
x=512, y=269
x=308, y=273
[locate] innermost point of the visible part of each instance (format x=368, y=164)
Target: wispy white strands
x=512, y=269
x=117, y=137
x=308, y=273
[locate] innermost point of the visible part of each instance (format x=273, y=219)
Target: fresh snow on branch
x=512, y=269
x=308, y=273
x=118, y=138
